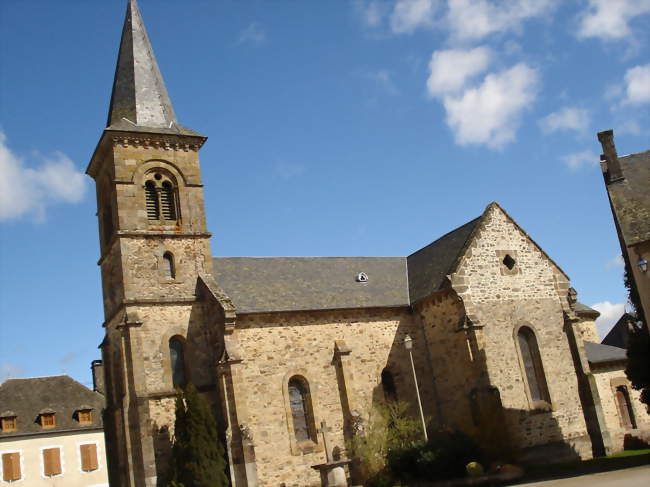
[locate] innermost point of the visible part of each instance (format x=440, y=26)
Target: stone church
x=294, y=352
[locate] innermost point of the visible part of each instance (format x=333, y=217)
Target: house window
x=168, y=266
x=85, y=417
x=48, y=421
x=177, y=358
x=8, y=424
x=388, y=385
x=88, y=457
x=52, y=462
x=304, y=428
x=160, y=198
x=625, y=408
x=533, y=369
x=11, y=467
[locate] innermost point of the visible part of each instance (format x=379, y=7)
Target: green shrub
x=444, y=456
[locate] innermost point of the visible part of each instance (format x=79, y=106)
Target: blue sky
x=335, y=128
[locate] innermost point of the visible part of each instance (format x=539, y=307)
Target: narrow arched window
x=388, y=385
x=301, y=409
x=151, y=197
x=169, y=270
x=168, y=201
x=625, y=407
x=533, y=368
x=177, y=358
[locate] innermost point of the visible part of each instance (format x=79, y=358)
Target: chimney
x=97, y=367
x=610, y=157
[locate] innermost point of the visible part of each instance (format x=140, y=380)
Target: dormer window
x=85, y=416
x=362, y=277
x=47, y=419
x=160, y=198
x=8, y=422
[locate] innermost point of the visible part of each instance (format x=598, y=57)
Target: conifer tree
x=197, y=453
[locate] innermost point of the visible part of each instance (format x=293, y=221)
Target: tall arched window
x=160, y=197
x=177, y=358
x=625, y=407
x=304, y=428
x=532, y=362
x=388, y=385
x=169, y=270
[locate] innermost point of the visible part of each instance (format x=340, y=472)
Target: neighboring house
x=295, y=352
x=51, y=433
x=627, y=179
x=625, y=415
x=618, y=335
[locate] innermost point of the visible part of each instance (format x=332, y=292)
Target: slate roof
x=139, y=101
x=582, y=308
x=618, y=335
x=428, y=266
x=267, y=284
x=597, y=353
x=27, y=398
x=630, y=198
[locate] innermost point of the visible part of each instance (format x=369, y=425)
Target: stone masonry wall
x=607, y=379
x=500, y=300
x=274, y=347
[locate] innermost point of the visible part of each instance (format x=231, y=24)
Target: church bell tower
x=154, y=245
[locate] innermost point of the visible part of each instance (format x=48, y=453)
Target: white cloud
x=476, y=19
x=372, y=12
x=254, y=34
x=609, y=315
x=568, y=118
x=450, y=70
x=25, y=190
x=489, y=114
x=617, y=262
x=610, y=19
x=578, y=159
x=10, y=371
x=630, y=127
x=409, y=15
x=384, y=80
x=637, y=88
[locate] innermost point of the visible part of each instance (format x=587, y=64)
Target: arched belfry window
x=302, y=415
x=625, y=407
x=169, y=269
x=388, y=385
x=532, y=364
x=177, y=359
x=160, y=197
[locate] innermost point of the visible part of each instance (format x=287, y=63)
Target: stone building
x=294, y=352
x=51, y=433
x=627, y=179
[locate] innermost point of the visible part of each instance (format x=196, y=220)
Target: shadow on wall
x=202, y=349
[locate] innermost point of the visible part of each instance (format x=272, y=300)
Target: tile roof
x=27, y=398
x=582, y=308
x=630, y=198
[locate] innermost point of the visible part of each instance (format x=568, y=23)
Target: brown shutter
x=88, y=457
x=52, y=461
x=11, y=466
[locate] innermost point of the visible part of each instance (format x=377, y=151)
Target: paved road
x=629, y=477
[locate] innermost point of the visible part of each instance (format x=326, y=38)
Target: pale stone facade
x=251, y=329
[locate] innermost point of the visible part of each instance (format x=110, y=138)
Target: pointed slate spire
x=139, y=99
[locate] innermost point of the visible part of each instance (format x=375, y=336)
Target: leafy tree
x=197, y=453
x=638, y=348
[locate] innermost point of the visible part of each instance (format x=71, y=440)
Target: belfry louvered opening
x=160, y=198
x=167, y=201
x=151, y=196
